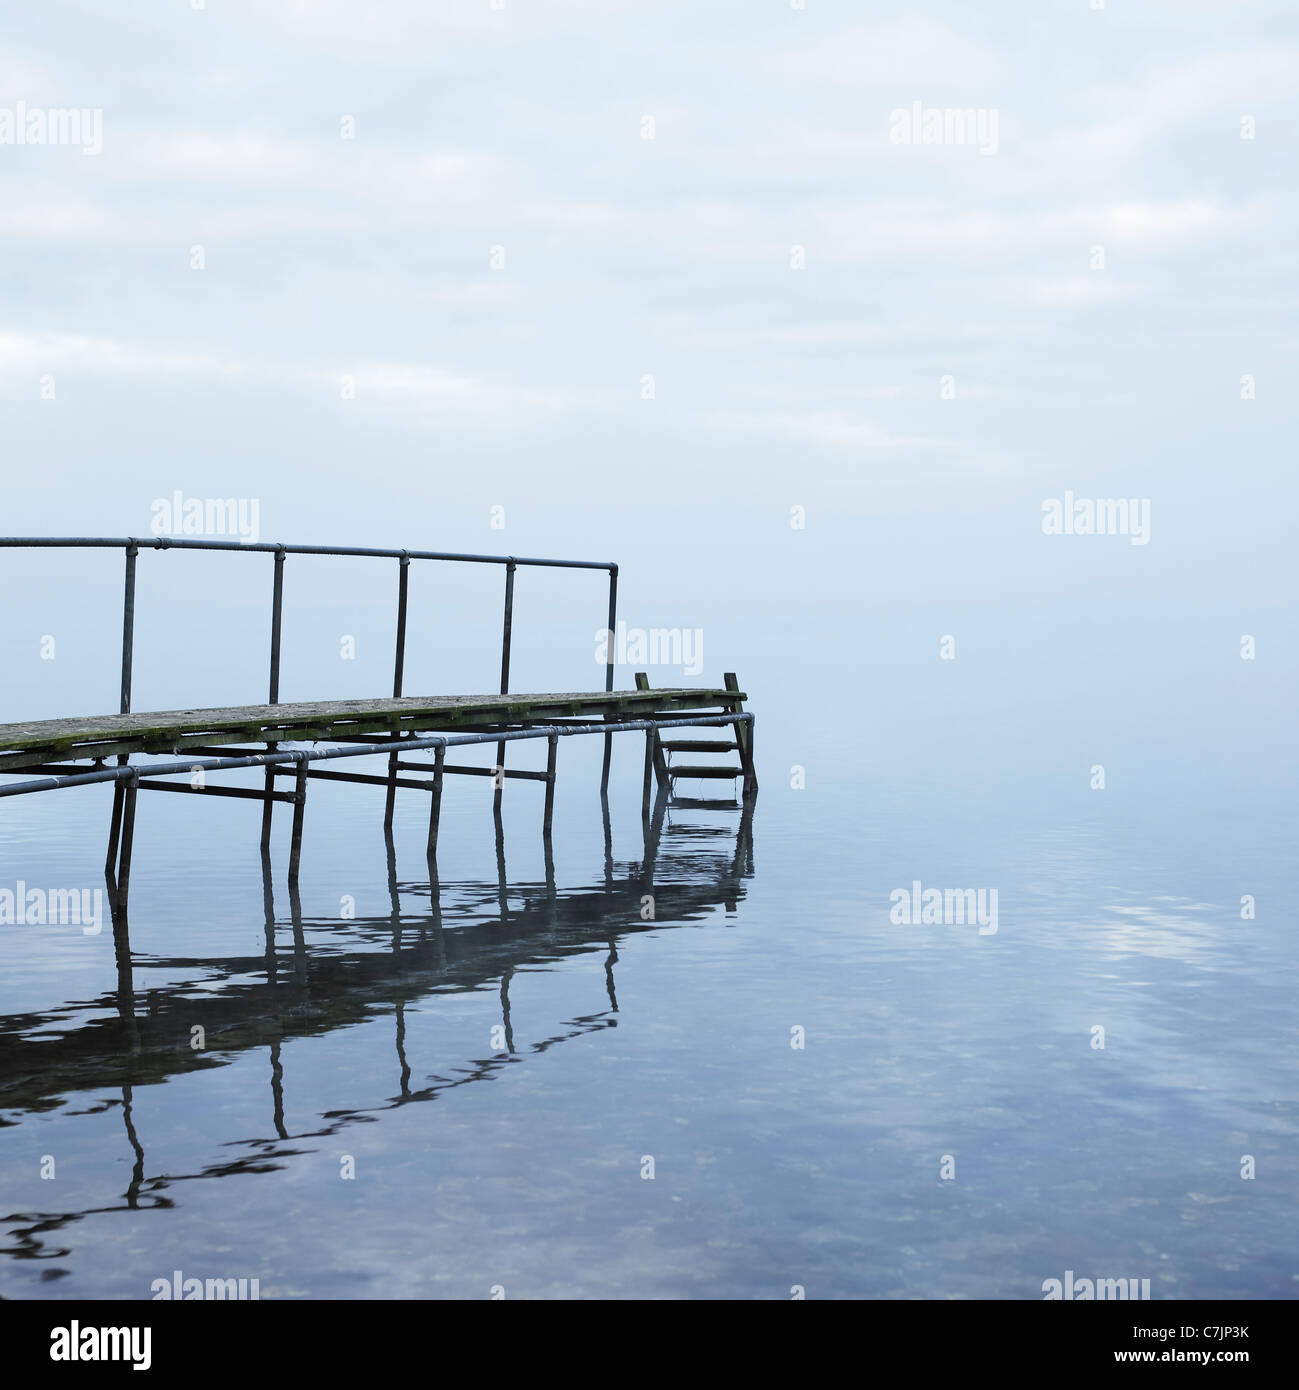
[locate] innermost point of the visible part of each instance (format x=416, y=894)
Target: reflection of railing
x=133, y=545
x=459, y=946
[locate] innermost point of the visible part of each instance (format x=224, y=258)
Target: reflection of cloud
x=1176, y=929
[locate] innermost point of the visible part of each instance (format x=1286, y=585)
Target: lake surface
x=414, y=1093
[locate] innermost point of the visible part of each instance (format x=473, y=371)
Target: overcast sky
x=796, y=283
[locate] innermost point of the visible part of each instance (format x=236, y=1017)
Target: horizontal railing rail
x=271, y=547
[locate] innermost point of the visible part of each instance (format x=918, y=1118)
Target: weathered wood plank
x=172, y=730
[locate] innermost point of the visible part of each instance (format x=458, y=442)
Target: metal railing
x=132, y=546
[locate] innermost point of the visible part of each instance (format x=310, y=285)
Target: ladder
x=659, y=751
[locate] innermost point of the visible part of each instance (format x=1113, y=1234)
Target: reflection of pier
x=436, y=937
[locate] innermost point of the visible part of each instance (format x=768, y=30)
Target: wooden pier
x=61, y=753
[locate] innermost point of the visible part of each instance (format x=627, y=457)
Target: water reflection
x=318, y=975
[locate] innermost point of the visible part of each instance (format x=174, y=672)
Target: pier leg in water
x=435, y=808
x=125, y=981
x=128, y=843
x=435, y=913
x=653, y=829
x=608, y=757
x=394, y=890
x=299, y=809
x=299, y=935
x=649, y=773
x=114, y=831
x=548, y=817
x=268, y=806
x=268, y=913
x=502, y=888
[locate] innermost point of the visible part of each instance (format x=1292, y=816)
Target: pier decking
x=27, y=745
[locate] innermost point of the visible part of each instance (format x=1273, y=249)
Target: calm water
x=497, y=1060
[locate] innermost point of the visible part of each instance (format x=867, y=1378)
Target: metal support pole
x=299, y=808
x=128, y=843
x=505, y=668
x=398, y=670
x=435, y=810
x=608, y=670
x=552, y=748
x=649, y=772
x=277, y=624
x=114, y=829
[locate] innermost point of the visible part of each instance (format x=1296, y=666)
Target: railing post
x=277, y=625
x=399, y=658
x=128, y=626
x=613, y=621
x=505, y=673
x=608, y=670
x=398, y=672
x=508, y=627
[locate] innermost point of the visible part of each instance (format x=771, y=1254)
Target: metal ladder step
x=698, y=745
x=718, y=772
